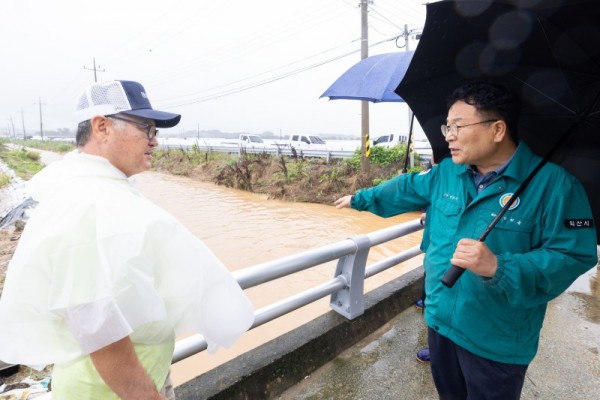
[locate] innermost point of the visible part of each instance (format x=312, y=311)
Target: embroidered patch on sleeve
x=579, y=223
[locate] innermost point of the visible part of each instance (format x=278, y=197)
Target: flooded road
x=244, y=229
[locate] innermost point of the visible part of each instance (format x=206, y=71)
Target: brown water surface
x=244, y=229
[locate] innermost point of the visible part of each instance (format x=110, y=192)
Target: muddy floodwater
x=246, y=229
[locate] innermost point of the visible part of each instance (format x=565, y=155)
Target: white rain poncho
x=97, y=261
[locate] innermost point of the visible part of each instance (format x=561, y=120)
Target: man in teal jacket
x=484, y=331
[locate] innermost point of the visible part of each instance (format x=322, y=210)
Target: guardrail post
x=350, y=301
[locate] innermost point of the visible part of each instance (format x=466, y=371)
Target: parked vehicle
x=307, y=142
x=248, y=140
x=390, y=140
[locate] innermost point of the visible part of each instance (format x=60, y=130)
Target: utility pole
x=94, y=69
x=14, y=133
x=41, y=124
x=406, y=36
x=409, y=152
x=365, y=143
x=23, y=122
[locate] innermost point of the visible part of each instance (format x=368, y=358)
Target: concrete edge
x=275, y=366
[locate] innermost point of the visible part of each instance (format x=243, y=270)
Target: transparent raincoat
x=97, y=262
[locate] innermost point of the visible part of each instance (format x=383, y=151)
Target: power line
x=256, y=37
x=261, y=83
x=226, y=53
x=304, y=59
x=402, y=11
x=382, y=17
x=251, y=43
x=269, y=80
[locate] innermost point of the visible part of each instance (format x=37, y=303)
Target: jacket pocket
x=444, y=218
x=513, y=234
x=447, y=207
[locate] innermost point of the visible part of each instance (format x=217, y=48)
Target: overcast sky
x=231, y=65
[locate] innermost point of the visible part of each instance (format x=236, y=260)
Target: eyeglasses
x=150, y=129
x=453, y=129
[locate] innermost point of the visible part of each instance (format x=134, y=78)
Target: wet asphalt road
x=383, y=366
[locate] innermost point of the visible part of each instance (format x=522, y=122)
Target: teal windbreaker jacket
x=543, y=243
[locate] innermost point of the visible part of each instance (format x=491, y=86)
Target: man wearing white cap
x=103, y=280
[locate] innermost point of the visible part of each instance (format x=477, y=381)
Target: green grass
x=49, y=145
x=4, y=180
x=25, y=163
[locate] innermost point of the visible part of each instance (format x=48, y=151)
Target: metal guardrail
x=346, y=288
x=274, y=150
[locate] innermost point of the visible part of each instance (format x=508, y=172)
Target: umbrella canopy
x=372, y=79
x=548, y=51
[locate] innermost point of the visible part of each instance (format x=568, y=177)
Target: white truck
x=248, y=140
x=390, y=140
x=312, y=142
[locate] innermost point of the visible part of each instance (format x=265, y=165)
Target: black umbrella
x=548, y=51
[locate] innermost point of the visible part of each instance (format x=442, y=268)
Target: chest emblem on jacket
x=506, y=197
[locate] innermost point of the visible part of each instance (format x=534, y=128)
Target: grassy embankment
x=311, y=180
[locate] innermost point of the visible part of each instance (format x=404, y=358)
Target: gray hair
x=84, y=131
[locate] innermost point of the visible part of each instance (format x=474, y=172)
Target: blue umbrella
x=372, y=79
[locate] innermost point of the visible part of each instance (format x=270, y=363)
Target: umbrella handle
x=452, y=275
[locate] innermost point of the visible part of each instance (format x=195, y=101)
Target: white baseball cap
x=121, y=97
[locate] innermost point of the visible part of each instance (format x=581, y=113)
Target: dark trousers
x=461, y=375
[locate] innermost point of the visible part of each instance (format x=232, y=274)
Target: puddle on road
x=587, y=289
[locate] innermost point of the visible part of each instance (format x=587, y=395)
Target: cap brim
x=162, y=119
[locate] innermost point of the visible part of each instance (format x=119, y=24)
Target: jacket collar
x=523, y=161
x=519, y=167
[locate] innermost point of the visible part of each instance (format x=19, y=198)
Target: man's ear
x=500, y=130
x=100, y=128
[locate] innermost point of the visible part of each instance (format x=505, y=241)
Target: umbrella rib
x=545, y=34
x=545, y=95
